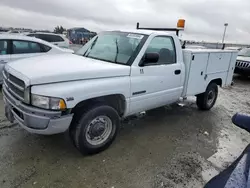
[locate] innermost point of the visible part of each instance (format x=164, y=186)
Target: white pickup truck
x=116, y=74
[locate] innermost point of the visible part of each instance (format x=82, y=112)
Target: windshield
x=244, y=52
x=114, y=47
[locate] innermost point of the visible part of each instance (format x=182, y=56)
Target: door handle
x=177, y=72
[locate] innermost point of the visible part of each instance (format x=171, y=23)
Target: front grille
x=243, y=64
x=14, y=85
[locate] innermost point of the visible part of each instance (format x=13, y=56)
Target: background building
x=79, y=35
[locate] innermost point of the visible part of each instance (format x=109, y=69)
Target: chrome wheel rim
x=99, y=130
x=210, y=97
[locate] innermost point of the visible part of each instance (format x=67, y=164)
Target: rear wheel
x=206, y=101
x=96, y=129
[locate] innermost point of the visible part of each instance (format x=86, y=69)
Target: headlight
x=48, y=102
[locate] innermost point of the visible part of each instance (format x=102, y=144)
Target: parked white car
x=116, y=74
x=14, y=47
x=56, y=39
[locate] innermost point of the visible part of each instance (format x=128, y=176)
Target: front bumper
x=242, y=70
x=36, y=120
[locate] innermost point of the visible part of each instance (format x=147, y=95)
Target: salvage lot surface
x=176, y=146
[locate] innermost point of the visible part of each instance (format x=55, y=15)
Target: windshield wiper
x=90, y=48
x=117, y=50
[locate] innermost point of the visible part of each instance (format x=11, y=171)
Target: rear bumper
x=36, y=120
x=241, y=70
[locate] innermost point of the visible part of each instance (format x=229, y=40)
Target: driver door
x=159, y=83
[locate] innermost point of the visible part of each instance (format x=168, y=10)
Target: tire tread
x=201, y=99
x=79, y=125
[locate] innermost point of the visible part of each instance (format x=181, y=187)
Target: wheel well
x=116, y=101
x=218, y=81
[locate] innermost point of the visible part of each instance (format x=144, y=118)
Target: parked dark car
x=242, y=66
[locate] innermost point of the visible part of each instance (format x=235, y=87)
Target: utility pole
x=225, y=29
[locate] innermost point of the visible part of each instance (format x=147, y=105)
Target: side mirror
x=149, y=58
x=242, y=121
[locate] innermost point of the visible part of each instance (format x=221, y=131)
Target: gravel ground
x=175, y=146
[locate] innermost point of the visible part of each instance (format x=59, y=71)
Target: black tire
x=79, y=128
x=204, y=101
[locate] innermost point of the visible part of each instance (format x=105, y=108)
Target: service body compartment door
x=218, y=62
x=231, y=68
x=204, y=66
x=196, y=80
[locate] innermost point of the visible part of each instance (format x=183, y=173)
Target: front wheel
x=96, y=129
x=206, y=101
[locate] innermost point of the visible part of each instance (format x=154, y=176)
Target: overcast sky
x=204, y=18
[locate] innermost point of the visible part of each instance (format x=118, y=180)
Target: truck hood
x=64, y=67
x=243, y=58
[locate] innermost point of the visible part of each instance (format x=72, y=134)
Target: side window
x=3, y=47
x=164, y=46
x=43, y=37
x=50, y=38
x=45, y=48
x=35, y=47
x=26, y=47
x=57, y=38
